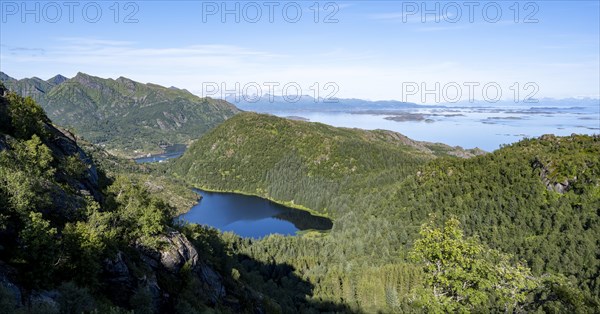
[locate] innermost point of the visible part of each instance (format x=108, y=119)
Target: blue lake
x=158, y=158
x=251, y=216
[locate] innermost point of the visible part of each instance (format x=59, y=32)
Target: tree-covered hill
x=299, y=162
x=536, y=200
x=128, y=117
x=83, y=234
x=416, y=227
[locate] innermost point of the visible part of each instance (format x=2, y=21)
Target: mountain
x=127, y=117
x=5, y=78
x=274, y=103
x=33, y=87
x=57, y=79
x=74, y=239
x=273, y=157
x=534, y=201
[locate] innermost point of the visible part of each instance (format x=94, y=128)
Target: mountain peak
x=57, y=79
x=122, y=78
x=87, y=80
x=4, y=77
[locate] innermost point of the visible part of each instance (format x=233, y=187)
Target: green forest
x=417, y=227
x=536, y=201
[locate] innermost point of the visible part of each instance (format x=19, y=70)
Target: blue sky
x=372, y=49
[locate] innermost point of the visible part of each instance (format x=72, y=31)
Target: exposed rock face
x=3, y=144
x=558, y=187
x=45, y=299
x=466, y=153
x=120, y=278
x=63, y=144
x=212, y=283
x=406, y=140
x=178, y=252
x=426, y=146
x=6, y=283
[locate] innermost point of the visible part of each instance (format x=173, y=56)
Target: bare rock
x=177, y=252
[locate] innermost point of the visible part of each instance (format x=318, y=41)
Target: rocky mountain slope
x=127, y=117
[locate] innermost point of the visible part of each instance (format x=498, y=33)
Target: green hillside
x=417, y=227
x=127, y=117
x=536, y=200
x=312, y=164
x=91, y=233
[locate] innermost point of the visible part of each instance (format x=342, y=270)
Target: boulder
x=177, y=252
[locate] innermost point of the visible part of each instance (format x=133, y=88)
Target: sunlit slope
x=124, y=115
x=309, y=164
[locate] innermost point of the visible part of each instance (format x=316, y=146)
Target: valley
x=360, y=206
x=275, y=157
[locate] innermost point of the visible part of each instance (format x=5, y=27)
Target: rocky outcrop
x=405, y=140
x=12, y=293
x=119, y=278
x=175, y=253
x=126, y=275
x=551, y=184
x=430, y=148
x=63, y=144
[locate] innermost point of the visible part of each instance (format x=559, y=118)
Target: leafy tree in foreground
x=462, y=275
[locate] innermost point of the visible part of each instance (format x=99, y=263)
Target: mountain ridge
x=129, y=118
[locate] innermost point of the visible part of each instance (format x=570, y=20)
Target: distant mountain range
x=273, y=103
x=127, y=117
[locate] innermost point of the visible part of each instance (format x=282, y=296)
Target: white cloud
x=363, y=74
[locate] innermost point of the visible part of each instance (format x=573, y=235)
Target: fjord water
x=250, y=216
x=487, y=126
x=483, y=128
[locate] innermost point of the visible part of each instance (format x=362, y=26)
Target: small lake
x=171, y=151
x=251, y=216
x=158, y=158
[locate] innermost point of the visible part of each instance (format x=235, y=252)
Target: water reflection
x=250, y=216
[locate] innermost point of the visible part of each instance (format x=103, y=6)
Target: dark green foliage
x=509, y=199
x=319, y=166
x=75, y=300
x=62, y=223
x=536, y=200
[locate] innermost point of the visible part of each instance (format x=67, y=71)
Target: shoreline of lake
x=253, y=216
x=282, y=203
